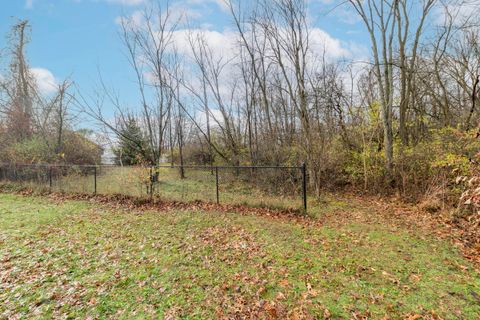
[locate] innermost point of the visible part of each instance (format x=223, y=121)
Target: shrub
x=430, y=167
x=78, y=149
x=32, y=150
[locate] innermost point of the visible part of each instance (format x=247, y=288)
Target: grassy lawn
x=78, y=259
x=244, y=189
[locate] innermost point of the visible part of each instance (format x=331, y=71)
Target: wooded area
x=269, y=170
x=405, y=121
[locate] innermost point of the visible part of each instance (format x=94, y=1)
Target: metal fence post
x=95, y=180
x=304, y=186
x=50, y=182
x=216, y=185
x=151, y=182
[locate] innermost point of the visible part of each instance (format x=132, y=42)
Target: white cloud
x=29, y=4
x=222, y=44
x=127, y=2
x=134, y=20
x=223, y=4
x=115, y=2
x=459, y=11
x=178, y=12
x=46, y=82
x=184, y=12
x=341, y=10
x=215, y=115
x=321, y=42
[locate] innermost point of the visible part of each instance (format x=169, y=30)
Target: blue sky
x=71, y=38
x=79, y=38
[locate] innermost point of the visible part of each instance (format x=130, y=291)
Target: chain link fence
x=279, y=187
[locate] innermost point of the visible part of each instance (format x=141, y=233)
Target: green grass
x=78, y=260
x=197, y=185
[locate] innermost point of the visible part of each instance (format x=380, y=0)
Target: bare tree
x=408, y=53
x=380, y=18
x=19, y=86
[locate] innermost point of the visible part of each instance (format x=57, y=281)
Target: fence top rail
x=158, y=166
x=46, y=165
x=228, y=167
